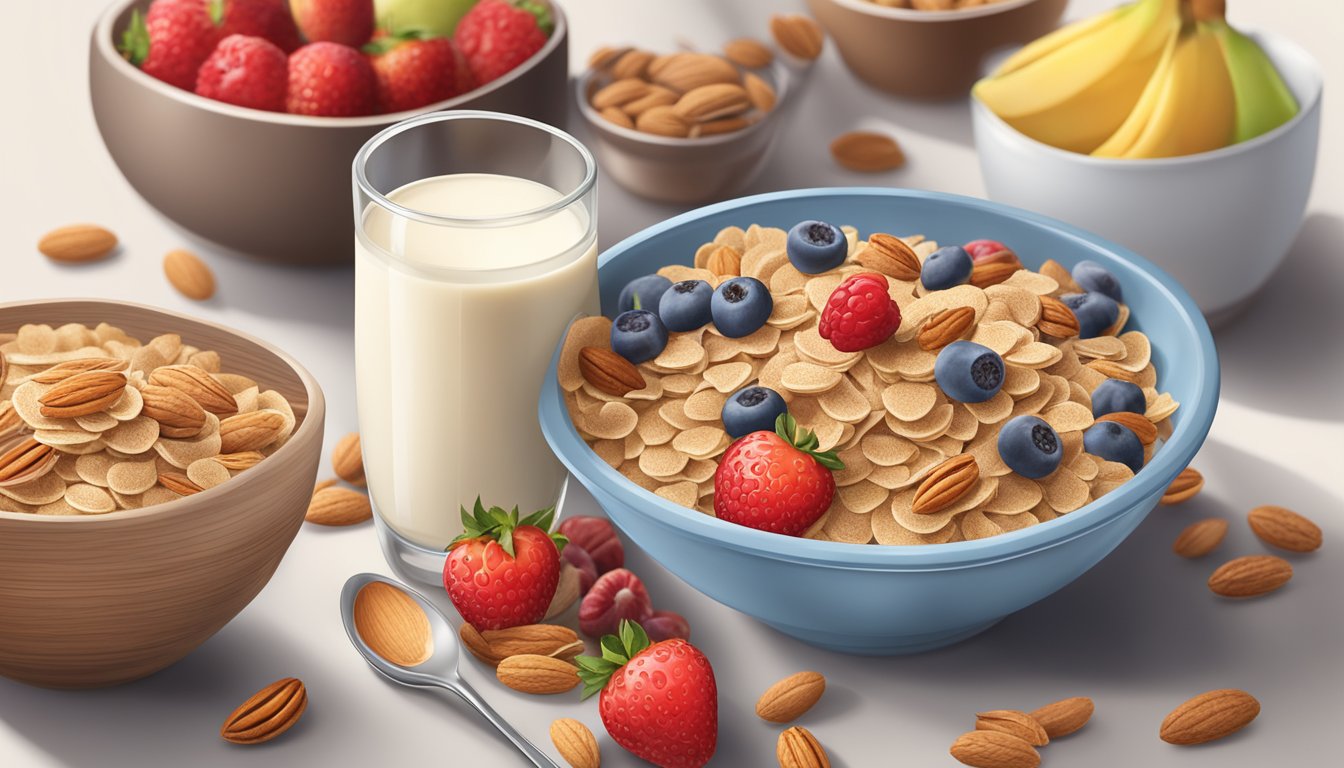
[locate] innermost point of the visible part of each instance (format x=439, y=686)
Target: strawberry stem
x=134, y=45
x=806, y=441
x=499, y=524
x=617, y=651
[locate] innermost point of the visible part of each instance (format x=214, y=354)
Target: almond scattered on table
x=347, y=460
x=994, y=749
x=1064, y=717
x=1200, y=538
x=1283, y=528
x=798, y=748
x=1250, y=576
x=189, y=275
x=867, y=151
x=536, y=674
x=77, y=243
x=1184, y=487
x=338, y=506
x=788, y=699
x=1209, y=716
x=267, y=714
x=1014, y=722
x=575, y=743
x=493, y=646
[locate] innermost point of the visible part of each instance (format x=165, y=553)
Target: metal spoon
x=409, y=641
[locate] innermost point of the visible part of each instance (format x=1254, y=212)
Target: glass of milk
x=475, y=245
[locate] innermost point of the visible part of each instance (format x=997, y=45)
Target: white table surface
x=1139, y=633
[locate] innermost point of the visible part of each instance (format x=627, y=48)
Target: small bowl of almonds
x=691, y=126
x=153, y=471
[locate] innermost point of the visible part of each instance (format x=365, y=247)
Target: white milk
x=449, y=366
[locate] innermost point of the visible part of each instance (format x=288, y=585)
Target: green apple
x=433, y=17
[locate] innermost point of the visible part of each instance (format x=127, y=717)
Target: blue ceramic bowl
x=878, y=600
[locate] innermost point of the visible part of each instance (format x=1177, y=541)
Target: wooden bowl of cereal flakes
x=154, y=469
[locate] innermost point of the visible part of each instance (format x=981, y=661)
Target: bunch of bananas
x=1156, y=78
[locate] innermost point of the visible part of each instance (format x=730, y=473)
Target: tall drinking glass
x=475, y=245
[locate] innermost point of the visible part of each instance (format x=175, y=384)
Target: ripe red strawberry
x=860, y=314
x=497, y=36
x=502, y=572
x=348, y=22
x=247, y=71
x=172, y=40
x=413, y=72
x=261, y=18
x=330, y=79
x=775, y=481
x=658, y=701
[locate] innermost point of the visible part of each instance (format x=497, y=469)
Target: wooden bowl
x=931, y=55
x=98, y=600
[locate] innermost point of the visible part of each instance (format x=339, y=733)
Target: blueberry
x=1114, y=395
x=1095, y=312
x=740, y=306
x=649, y=289
x=969, y=372
x=1096, y=278
x=1030, y=447
x=946, y=267
x=752, y=409
x=815, y=247
x=685, y=306
x=1114, y=442
x=638, y=335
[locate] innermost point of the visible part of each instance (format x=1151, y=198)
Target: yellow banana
x=1079, y=93
x=1196, y=109
x=1128, y=132
x=1044, y=46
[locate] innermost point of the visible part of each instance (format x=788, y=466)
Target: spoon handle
x=529, y=751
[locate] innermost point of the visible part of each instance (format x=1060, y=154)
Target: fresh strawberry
x=330, y=79
x=658, y=701
x=172, y=40
x=497, y=36
x=501, y=572
x=348, y=22
x=247, y=71
x=775, y=481
x=413, y=72
x=261, y=18
x=860, y=314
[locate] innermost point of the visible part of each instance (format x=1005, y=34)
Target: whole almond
x=535, y=674
x=566, y=591
x=609, y=372
x=1285, y=529
x=238, y=462
x=477, y=645
x=347, y=460
x=605, y=56
x=1057, y=319
x=1186, y=484
x=1146, y=431
x=789, y=698
x=988, y=273
x=617, y=116
x=267, y=714
x=748, y=52
x=655, y=96
x=1200, y=538
x=1111, y=370
x=945, y=484
x=619, y=93
x=1209, y=716
x=1250, y=576
x=716, y=127
x=1063, y=717
x=761, y=93
x=250, y=431
x=26, y=461
x=709, y=102
x=11, y=423
x=62, y=371
x=799, y=35
x=944, y=328
x=994, y=749
x=867, y=151
x=663, y=121
x=724, y=261
x=1011, y=721
x=798, y=748
x=891, y=256
x=536, y=639
x=178, y=415
x=179, y=483
x=189, y=275
x=632, y=63
x=338, y=506
x=199, y=385
x=575, y=743
x=83, y=394
x=77, y=243
x=684, y=72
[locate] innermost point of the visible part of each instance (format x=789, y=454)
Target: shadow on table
x=1283, y=354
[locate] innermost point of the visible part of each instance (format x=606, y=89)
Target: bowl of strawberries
x=239, y=119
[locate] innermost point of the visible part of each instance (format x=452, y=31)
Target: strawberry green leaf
x=806, y=441
x=506, y=540
x=542, y=12
x=216, y=10
x=613, y=650
x=498, y=524
x=542, y=518
x=617, y=650
x=134, y=45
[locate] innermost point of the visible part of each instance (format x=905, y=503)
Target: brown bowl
x=268, y=184
x=930, y=55
x=104, y=599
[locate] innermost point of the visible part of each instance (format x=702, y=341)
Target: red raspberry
x=860, y=313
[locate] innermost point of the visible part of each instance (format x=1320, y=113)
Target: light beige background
x=1139, y=633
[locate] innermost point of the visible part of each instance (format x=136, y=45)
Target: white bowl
x=1220, y=222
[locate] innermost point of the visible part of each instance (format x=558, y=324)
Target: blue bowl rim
x=1175, y=455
